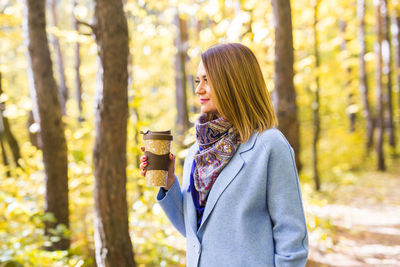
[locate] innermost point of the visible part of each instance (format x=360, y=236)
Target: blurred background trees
x=68, y=115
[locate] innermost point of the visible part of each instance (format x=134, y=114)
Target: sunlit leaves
x=152, y=106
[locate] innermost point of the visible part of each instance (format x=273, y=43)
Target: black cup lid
x=157, y=135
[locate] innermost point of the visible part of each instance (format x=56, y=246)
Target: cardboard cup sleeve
x=157, y=145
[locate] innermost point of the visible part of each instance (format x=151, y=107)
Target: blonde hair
x=239, y=88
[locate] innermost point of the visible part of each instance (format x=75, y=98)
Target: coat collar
x=224, y=179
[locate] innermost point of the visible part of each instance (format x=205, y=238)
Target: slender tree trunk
x=12, y=141
x=134, y=108
x=33, y=122
x=363, y=77
x=196, y=38
x=112, y=241
x=316, y=103
x=2, y=137
x=350, y=97
x=379, y=91
x=63, y=90
x=190, y=77
x=284, y=88
x=396, y=43
x=3, y=153
x=7, y=134
x=78, y=81
x=54, y=145
x=180, y=76
x=387, y=72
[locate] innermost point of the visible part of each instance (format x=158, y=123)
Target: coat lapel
x=225, y=177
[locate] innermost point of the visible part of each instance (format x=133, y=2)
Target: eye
x=197, y=81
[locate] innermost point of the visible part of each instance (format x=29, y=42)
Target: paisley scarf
x=218, y=141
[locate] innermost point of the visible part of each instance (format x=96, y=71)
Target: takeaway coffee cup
x=158, y=145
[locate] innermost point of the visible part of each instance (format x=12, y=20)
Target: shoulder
x=273, y=139
x=277, y=147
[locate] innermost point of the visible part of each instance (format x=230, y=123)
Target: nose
x=200, y=89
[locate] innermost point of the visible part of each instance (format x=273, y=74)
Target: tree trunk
x=284, y=90
x=112, y=242
x=3, y=152
x=396, y=43
x=6, y=131
x=379, y=91
x=182, y=122
x=350, y=97
x=78, y=81
x=54, y=145
x=387, y=71
x=63, y=90
x=363, y=77
x=2, y=137
x=33, y=122
x=316, y=103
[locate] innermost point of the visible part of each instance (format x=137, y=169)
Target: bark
x=285, y=94
x=387, y=71
x=112, y=242
x=78, y=81
x=2, y=137
x=396, y=43
x=182, y=123
x=379, y=90
x=3, y=153
x=54, y=145
x=350, y=97
x=316, y=103
x=63, y=90
x=33, y=122
x=7, y=134
x=363, y=77
x=198, y=27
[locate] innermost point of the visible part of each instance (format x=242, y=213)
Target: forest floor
x=360, y=222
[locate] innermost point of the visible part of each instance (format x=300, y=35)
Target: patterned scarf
x=218, y=142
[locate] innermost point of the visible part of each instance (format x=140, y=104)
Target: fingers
x=143, y=165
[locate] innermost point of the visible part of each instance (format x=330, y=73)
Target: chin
x=210, y=113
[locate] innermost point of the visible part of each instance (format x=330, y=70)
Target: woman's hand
x=171, y=168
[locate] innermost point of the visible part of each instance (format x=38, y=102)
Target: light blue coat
x=254, y=214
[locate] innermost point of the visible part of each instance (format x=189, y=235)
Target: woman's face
x=203, y=91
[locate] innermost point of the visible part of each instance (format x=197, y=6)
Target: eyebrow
x=204, y=77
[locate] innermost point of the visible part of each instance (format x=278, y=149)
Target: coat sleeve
x=285, y=206
x=172, y=204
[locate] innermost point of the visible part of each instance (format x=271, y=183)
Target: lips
x=202, y=101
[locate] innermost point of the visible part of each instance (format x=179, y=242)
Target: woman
x=240, y=200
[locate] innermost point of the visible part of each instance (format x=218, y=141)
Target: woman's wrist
x=170, y=182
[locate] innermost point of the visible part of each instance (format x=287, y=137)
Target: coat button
x=197, y=248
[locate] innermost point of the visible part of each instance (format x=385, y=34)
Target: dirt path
x=362, y=221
